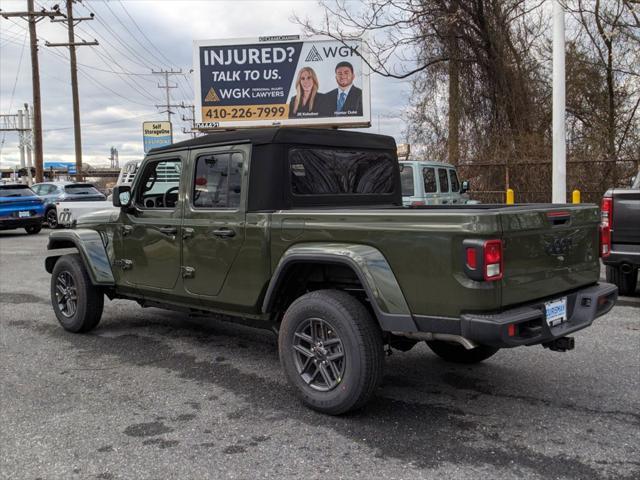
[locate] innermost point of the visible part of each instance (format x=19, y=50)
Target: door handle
x=168, y=230
x=224, y=233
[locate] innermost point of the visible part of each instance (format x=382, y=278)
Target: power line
x=72, y=44
x=13, y=90
x=32, y=17
x=144, y=35
x=89, y=125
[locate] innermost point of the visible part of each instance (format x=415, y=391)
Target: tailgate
x=626, y=217
x=548, y=249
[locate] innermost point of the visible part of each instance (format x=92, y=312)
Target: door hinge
x=126, y=230
x=123, y=263
x=188, y=272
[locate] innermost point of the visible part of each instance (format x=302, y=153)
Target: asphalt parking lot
x=156, y=395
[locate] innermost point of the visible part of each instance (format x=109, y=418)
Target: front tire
x=76, y=302
x=452, y=352
x=33, y=229
x=331, y=351
x=626, y=282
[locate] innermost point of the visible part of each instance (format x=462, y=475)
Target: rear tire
x=76, y=302
x=626, y=282
x=33, y=229
x=331, y=351
x=458, y=354
x=52, y=218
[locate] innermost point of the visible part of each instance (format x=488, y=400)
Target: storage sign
x=156, y=134
x=280, y=81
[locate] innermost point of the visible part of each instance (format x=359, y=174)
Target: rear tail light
x=483, y=260
x=493, y=260
x=605, y=240
x=417, y=203
x=606, y=212
x=472, y=259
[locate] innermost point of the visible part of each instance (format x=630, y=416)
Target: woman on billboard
x=305, y=102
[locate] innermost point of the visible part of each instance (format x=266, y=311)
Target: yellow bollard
x=575, y=196
x=510, y=196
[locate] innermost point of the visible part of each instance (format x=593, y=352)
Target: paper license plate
x=23, y=214
x=556, y=311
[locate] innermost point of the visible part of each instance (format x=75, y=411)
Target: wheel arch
x=366, y=263
x=90, y=246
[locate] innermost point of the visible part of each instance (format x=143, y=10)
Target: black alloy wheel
x=76, y=302
x=52, y=218
x=331, y=350
x=319, y=354
x=66, y=294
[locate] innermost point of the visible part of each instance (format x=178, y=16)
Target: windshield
x=81, y=190
x=16, y=191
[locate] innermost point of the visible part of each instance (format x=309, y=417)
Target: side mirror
x=465, y=187
x=122, y=196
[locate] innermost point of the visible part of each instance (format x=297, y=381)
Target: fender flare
x=370, y=266
x=89, y=245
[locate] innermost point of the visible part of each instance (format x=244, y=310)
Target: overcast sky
x=114, y=106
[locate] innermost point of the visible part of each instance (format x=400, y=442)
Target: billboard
x=156, y=134
x=282, y=80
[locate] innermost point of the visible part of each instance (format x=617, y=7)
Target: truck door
x=151, y=231
x=214, y=219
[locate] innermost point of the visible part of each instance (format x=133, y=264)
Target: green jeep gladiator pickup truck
x=303, y=231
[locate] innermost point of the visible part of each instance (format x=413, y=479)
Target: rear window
x=406, y=176
x=335, y=172
x=16, y=191
x=81, y=190
x=444, y=180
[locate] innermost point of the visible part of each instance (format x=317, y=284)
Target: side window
x=218, y=180
x=444, y=180
x=455, y=184
x=38, y=189
x=429, y=176
x=406, y=177
x=159, y=185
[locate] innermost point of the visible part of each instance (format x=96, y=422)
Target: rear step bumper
x=583, y=306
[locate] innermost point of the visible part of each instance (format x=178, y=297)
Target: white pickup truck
x=69, y=212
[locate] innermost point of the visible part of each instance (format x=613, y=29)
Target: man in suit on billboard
x=346, y=100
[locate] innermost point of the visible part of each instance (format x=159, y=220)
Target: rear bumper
x=531, y=328
x=623, y=253
x=13, y=223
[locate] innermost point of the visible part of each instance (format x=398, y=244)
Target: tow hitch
x=560, y=344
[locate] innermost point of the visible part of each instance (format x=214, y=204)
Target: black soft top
x=308, y=136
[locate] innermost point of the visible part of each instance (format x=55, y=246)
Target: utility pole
x=21, y=124
x=166, y=86
x=191, y=119
x=71, y=23
x=34, y=17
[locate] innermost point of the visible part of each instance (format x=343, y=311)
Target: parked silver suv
x=431, y=183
